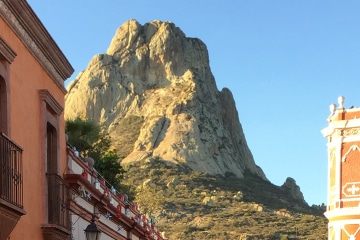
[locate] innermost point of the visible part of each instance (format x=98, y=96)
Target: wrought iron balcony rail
x=11, y=172
x=58, y=195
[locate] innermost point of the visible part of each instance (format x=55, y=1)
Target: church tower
x=343, y=203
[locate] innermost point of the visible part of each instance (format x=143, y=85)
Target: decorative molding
x=338, y=174
x=351, y=189
x=9, y=217
x=347, y=132
x=55, y=232
x=344, y=222
x=332, y=157
x=24, y=22
x=6, y=51
x=351, y=131
x=343, y=212
x=352, y=148
x=351, y=236
x=327, y=131
x=332, y=194
x=50, y=100
x=331, y=232
x=349, y=123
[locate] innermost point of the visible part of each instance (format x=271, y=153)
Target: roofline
x=25, y=23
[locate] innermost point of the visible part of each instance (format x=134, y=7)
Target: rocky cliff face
x=154, y=92
x=292, y=189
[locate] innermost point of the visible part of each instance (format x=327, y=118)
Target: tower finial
x=341, y=101
x=332, y=108
x=332, y=111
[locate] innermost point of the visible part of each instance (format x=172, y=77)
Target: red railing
x=117, y=203
x=11, y=177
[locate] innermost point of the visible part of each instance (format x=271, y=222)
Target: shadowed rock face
x=291, y=188
x=154, y=92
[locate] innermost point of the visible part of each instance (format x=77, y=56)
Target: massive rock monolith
x=154, y=93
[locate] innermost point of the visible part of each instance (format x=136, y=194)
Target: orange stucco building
x=343, y=209
x=32, y=141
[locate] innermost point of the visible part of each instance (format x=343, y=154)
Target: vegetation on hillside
x=127, y=133
x=88, y=138
x=195, y=205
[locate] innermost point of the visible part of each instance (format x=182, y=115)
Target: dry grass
x=248, y=208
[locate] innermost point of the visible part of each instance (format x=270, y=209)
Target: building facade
x=93, y=198
x=32, y=141
x=343, y=208
x=46, y=190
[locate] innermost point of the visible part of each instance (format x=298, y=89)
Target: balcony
x=58, y=210
x=11, y=185
x=58, y=195
x=90, y=190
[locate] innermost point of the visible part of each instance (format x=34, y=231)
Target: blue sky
x=285, y=62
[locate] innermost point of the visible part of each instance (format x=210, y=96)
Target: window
x=57, y=188
x=51, y=149
x=7, y=56
x=3, y=106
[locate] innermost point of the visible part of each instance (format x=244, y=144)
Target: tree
x=149, y=200
x=86, y=136
x=82, y=134
x=108, y=166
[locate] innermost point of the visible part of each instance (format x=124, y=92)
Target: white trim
x=355, y=109
x=343, y=222
x=327, y=131
x=354, y=188
x=352, y=148
x=341, y=125
x=352, y=138
x=337, y=232
x=351, y=236
x=331, y=165
x=331, y=233
x=351, y=200
x=339, y=226
x=343, y=212
x=338, y=171
x=351, y=123
x=329, y=188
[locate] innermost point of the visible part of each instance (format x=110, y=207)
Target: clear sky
x=285, y=62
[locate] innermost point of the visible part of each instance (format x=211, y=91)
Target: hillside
x=195, y=205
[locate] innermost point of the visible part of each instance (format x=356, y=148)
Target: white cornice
x=352, y=123
x=327, y=131
x=343, y=222
x=342, y=212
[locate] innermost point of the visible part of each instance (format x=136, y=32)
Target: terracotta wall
x=27, y=76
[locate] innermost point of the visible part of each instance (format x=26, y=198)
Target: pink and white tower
x=343, y=203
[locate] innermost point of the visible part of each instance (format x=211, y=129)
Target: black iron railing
x=11, y=172
x=58, y=195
